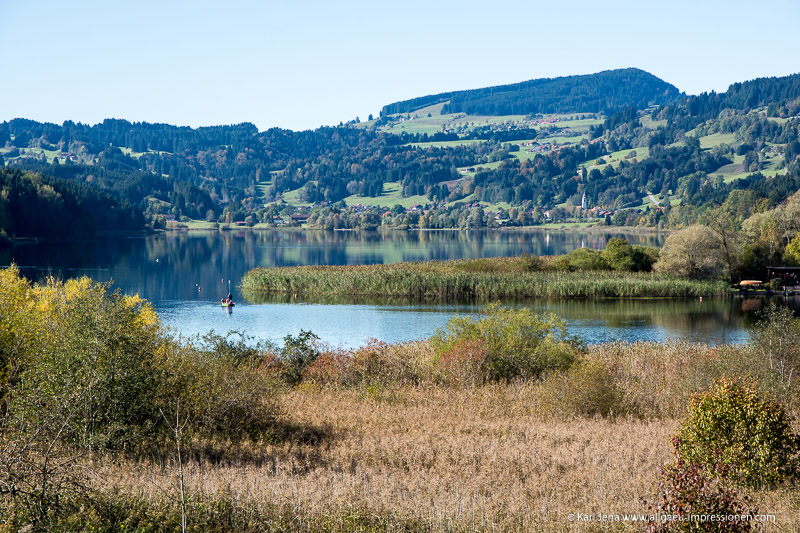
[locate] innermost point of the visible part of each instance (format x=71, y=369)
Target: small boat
x=227, y=303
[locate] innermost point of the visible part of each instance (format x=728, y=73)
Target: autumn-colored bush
x=464, y=364
x=698, y=497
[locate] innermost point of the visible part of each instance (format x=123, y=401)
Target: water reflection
x=168, y=269
x=711, y=321
x=169, y=266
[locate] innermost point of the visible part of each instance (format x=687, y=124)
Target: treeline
x=33, y=205
x=194, y=173
x=607, y=90
x=780, y=95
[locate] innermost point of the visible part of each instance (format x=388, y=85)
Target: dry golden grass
x=451, y=459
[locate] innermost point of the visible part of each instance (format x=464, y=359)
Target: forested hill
x=603, y=91
x=33, y=205
x=664, y=165
x=781, y=96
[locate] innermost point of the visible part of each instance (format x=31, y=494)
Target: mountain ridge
x=607, y=90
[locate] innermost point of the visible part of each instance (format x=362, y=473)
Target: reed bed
x=392, y=438
x=436, y=459
x=464, y=280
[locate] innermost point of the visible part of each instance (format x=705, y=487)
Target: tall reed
x=484, y=279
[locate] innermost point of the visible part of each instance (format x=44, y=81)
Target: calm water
x=185, y=274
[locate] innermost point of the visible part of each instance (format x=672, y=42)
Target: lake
x=185, y=274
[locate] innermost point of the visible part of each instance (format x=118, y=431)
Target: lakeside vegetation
x=619, y=271
x=447, y=281
x=501, y=423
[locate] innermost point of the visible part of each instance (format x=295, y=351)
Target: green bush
x=219, y=399
x=297, y=354
x=582, y=259
x=517, y=342
x=620, y=255
x=237, y=349
x=90, y=358
x=733, y=425
x=776, y=284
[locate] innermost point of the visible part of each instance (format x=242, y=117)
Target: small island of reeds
x=621, y=273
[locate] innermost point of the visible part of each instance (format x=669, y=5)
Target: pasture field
x=717, y=139
x=49, y=154
x=293, y=197
x=614, y=158
x=736, y=170
x=392, y=195
x=261, y=188
x=434, y=110
x=648, y=122
x=487, y=166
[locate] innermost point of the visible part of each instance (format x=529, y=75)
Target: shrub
x=584, y=390
x=297, y=353
x=330, y=368
x=518, y=342
x=582, y=259
x=406, y=363
x=95, y=369
x=238, y=349
x=92, y=355
x=731, y=424
x=464, y=364
x=775, y=343
x=620, y=255
x=219, y=399
x=379, y=362
x=688, y=489
x=531, y=263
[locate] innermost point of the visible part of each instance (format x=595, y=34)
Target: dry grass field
x=443, y=459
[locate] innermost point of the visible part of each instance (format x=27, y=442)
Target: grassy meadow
x=392, y=195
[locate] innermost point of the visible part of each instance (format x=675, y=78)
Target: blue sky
x=301, y=64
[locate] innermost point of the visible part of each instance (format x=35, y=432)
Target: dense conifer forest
x=608, y=90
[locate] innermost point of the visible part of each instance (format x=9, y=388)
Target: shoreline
x=523, y=229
